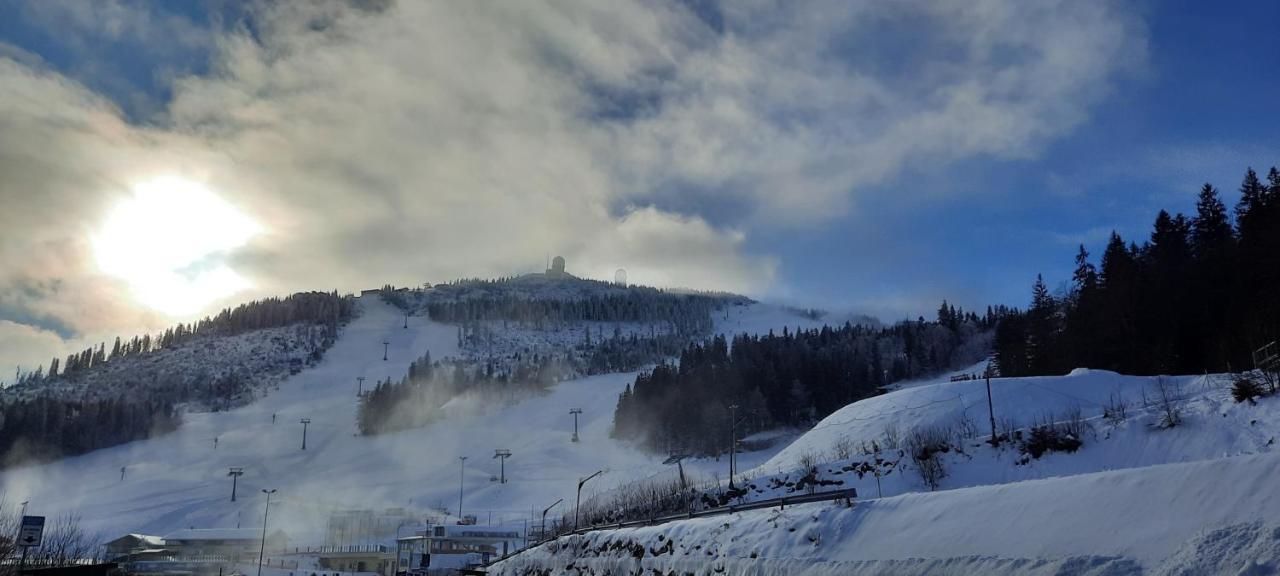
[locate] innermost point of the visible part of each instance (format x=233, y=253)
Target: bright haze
x=161, y=160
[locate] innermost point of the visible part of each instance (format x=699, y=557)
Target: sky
x=161, y=160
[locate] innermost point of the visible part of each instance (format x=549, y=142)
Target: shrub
x=843, y=448
x=925, y=445
x=1168, y=396
x=1116, y=410
x=1062, y=435
x=1247, y=389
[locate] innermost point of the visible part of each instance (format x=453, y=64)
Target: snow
x=1135, y=498
x=1107, y=522
x=179, y=480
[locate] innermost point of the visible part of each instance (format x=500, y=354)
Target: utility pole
x=360, y=385
x=733, y=441
x=579, y=501
x=304, y=422
x=543, y=530
x=265, y=511
x=122, y=473
x=677, y=459
x=385, y=344
x=575, y=412
x=502, y=455
x=995, y=441
x=462, y=470
x=235, y=474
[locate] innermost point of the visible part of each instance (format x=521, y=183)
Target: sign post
x=29, y=536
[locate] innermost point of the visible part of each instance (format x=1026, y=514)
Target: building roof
x=141, y=539
x=253, y=534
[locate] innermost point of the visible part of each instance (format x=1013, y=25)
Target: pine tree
x=1210, y=229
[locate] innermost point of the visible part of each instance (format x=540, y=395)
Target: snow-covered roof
x=218, y=534
x=142, y=539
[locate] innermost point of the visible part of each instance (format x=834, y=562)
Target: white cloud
x=434, y=140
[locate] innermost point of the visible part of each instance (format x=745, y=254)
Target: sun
x=170, y=242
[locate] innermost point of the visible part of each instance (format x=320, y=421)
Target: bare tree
x=1169, y=400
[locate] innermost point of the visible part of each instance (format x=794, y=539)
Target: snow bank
x=1102, y=523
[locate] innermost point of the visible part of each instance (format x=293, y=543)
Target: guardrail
x=847, y=494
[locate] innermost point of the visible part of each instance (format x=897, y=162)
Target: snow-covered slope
x=1136, y=497
x=1115, y=522
x=180, y=479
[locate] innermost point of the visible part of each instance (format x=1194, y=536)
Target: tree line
x=47, y=428
x=320, y=308
x=417, y=399
x=686, y=313
x=788, y=379
x=1199, y=295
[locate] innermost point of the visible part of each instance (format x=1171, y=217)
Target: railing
x=341, y=549
x=847, y=494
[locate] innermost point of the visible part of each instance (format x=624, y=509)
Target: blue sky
x=1201, y=110
x=851, y=155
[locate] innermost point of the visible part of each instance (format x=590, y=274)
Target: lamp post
x=733, y=441
x=265, y=511
x=385, y=344
x=359, y=386
x=543, y=530
x=579, y=501
x=462, y=469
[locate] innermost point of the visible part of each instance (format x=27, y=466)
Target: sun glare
x=170, y=242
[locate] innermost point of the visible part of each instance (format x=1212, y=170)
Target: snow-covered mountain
x=179, y=480
x=1135, y=496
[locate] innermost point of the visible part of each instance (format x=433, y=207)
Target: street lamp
x=265, y=510
x=543, y=531
x=579, y=502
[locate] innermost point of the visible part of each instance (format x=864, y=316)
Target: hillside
x=1134, y=493
x=180, y=479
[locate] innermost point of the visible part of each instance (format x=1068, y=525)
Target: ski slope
x=180, y=480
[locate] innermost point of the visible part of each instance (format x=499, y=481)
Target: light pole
x=579, y=501
x=543, y=530
x=502, y=455
x=733, y=441
x=575, y=412
x=462, y=469
x=265, y=511
x=359, y=386
x=385, y=344
x=235, y=473
x=304, y=422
